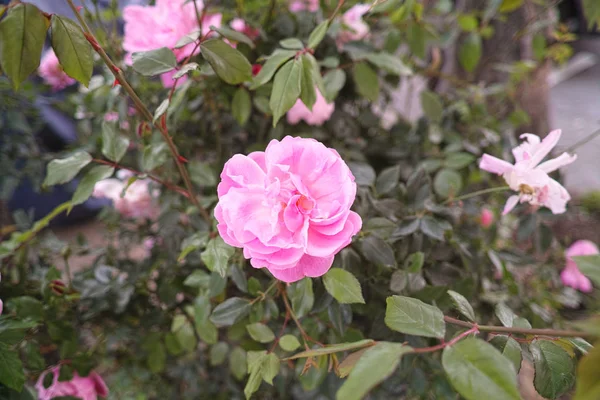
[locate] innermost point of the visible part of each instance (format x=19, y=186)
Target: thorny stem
x=474, y=330
x=289, y=310
x=118, y=74
x=522, y=331
x=477, y=193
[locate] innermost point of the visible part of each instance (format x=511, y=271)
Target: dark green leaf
x=317, y=35
x=157, y=357
x=27, y=307
x=202, y=173
x=332, y=349
x=286, y=89
x=241, y=106
x=407, y=227
x=388, y=180
x=308, y=94
x=72, y=49
x=343, y=286
x=277, y=59
x=184, y=332
x=64, y=170
x=230, y=311
x=186, y=69
x=554, y=369
x=417, y=39
x=505, y=314
x=377, y=251
x=86, y=185
x=469, y=52
x=154, y=156
x=447, y=183
x=216, y=256
x=302, y=296
x=233, y=35
x=154, y=62
x=459, y=160
x=334, y=81
x=509, y=348
x=476, y=368
x=260, y=332
x=11, y=369
x=462, y=305
x=432, y=106
x=390, y=63
x=114, y=145
x=218, y=353
x=364, y=174
x=366, y=81
x=413, y=317
x=229, y=64
x=434, y=228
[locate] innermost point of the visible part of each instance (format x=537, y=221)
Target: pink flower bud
x=486, y=219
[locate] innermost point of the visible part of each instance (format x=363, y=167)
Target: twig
x=583, y=141
x=477, y=193
x=474, y=330
x=288, y=308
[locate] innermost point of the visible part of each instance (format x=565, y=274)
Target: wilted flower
x=52, y=73
x=321, y=111
x=304, y=5
x=152, y=27
x=85, y=388
x=353, y=27
x=486, y=219
x=530, y=178
x=288, y=207
x=571, y=275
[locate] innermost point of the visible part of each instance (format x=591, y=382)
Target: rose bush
x=269, y=232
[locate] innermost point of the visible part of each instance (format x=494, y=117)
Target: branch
x=474, y=330
x=289, y=310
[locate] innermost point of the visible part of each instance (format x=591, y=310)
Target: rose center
x=305, y=205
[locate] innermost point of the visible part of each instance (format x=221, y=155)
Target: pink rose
x=353, y=26
x=86, y=388
x=530, y=178
x=52, y=73
x=152, y=27
x=320, y=113
x=304, y=5
x=571, y=275
x=486, y=219
x=137, y=203
x=288, y=207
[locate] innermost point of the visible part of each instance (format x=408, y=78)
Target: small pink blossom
x=139, y=202
x=85, y=388
x=240, y=25
x=52, y=73
x=321, y=111
x=571, y=275
x=304, y=5
x=486, y=219
x=288, y=207
x=530, y=178
x=152, y=27
x=113, y=116
x=353, y=26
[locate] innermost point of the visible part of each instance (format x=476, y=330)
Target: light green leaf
x=414, y=263
x=241, y=106
x=467, y=22
x=554, y=369
x=447, y=183
x=318, y=34
x=11, y=368
x=237, y=363
x=366, y=81
x=591, y=10
x=302, y=296
x=218, y=353
x=308, y=95
x=154, y=156
x=286, y=89
x=64, y=170
x=509, y=348
x=202, y=174
x=230, y=311
x=289, y=342
x=390, y=63
x=216, y=255
x=270, y=368
x=154, y=62
x=184, y=332
x=413, y=317
x=333, y=81
x=114, y=145
x=459, y=160
x=469, y=52
x=462, y=305
x=432, y=106
x=86, y=186
x=186, y=69
x=229, y=64
x=343, y=286
x=157, y=357
x=332, y=349
x=590, y=267
x=161, y=109
x=510, y=5
x=588, y=376
x=373, y=367
x=72, y=49
x=505, y=314
x=291, y=44
x=22, y=37
x=476, y=368
x=260, y=332
x=275, y=60
x=233, y=35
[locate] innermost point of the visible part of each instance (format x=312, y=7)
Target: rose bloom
x=152, y=27
x=530, y=178
x=52, y=73
x=321, y=111
x=571, y=275
x=85, y=388
x=353, y=27
x=486, y=219
x=288, y=207
x=138, y=203
x=304, y=5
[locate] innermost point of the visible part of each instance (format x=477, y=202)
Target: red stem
x=473, y=330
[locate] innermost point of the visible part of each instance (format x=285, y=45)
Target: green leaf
x=289, y=343
x=349, y=362
x=64, y=170
x=186, y=69
x=462, y=305
x=447, y=183
x=11, y=369
x=591, y=10
x=590, y=267
x=157, y=357
x=260, y=332
x=554, y=369
x=241, y=106
x=459, y=160
x=467, y=22
x=580, y=344
x=161, y=109
x=187, y=39
x=154, y=156
x=390, y=63
x=154, y=62
x=414, y=263
x=476, y=368
x=229, y=64
x=27, y=307
x=22, y=37
x=302, y=296
x=233, y=35
x=333, y=81
x=413, y=317
x=308, y=94
x=286, y=89
x=204, y=327
x=72, y=49
x=432, y=105
x=332, y=349
x=469, y=52
x=114, y=145
x=373, y=367
x=343, y=286
x=291, y=44
x=318, y=34
x=216, y=255
x=434, y=228
x=510, y=5
x=366, y=81
x=377, y=251
x=588, y=376
x=270, y=368
x=505, y=314
x=364, y=174
x=184, y=332
x=230, y=311
x=388, y=180
x=218, y=353
x=275, y=60
x=207, y=331
x=237, y=363
x=509, y=348
x=417, y=39
x=86, y=186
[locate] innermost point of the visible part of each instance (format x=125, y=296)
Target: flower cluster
x=85, y=388
x=530, y=178
x=52, y=73
x=288, y=207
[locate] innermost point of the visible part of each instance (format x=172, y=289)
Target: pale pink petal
x=240, y=172
x=545, y=147
x=494, y=165
x=556, y=163
x=510, y=204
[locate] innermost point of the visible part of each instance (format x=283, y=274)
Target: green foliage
x=154, y=62
x=229, y=64
x=287, y=87
x=64, y=170
x=554, y=368
x=413, y=317
x=72, y=49
x=343, y=286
